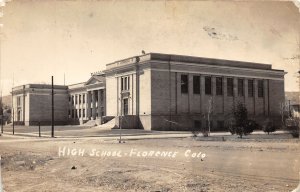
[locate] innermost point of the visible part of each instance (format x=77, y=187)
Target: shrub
x=269, y=127
x=292, y=126
x=229, y=125
x=242, y=126
x=195, y=131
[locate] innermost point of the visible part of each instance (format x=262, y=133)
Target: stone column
x=99, y=103
x=266, y=96
x=202, y=94
x=88, y=105
x=81, y=107
x=93, y=105
x=255, y=96
x=224, y=94
x=235, y=90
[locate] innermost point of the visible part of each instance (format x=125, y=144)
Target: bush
x=229, y=125
x=292, y=126
x=195, y=131
x=269, y=127
x=250, y=127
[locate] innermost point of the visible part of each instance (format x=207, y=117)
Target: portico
x=87, y=100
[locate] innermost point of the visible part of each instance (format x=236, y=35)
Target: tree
x=283, y=107
x=209, y=113
x=242, y=126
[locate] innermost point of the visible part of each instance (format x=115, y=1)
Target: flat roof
x=40, y=86
x=191, y=59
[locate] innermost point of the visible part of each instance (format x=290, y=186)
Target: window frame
x=241, y=88
x=230, y=92
x=219, y=86
x=196, y=84
x=208, y=86
x=184, y=86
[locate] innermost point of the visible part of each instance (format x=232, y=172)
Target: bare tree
x=283, y=107
x=210, y=108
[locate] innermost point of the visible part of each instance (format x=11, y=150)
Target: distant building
x=164, y=92
x=292, y=97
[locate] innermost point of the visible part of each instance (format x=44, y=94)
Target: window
x=260, y=88
x=18, y=101
x=83, y=112
x=208, y=85
x=79, y=99
x=69, y=98
x=125, y=106
x=79, y=113
x=75, y=99
x=250, y=88
x=72, y=113
x=240, y=87
x=96, y=96
x=72, y=99
x=219, y=86
x=196, y=84
x=229, y=86
x=184, y=84
x=83, y=98
x=125, y=83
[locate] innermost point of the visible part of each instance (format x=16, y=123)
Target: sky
x=74, y=38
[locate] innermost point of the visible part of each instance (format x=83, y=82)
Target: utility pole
x=12, y=109
x=120, y=120
x=52, y=108
x=1, y=186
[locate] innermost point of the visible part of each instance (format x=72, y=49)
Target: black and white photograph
x=149, y=95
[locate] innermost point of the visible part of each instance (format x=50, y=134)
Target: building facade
x=173, y=92
x=31, y=104
x=161, y=92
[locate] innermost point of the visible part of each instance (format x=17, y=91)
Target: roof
x=192, y=59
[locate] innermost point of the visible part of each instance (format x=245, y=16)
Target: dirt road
x=232, y=165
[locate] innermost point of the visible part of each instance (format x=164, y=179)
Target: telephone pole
x=52, y=108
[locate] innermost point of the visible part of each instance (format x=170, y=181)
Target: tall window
x=240, y=87
x=79, y=99
x=72, y=99
x=250, y=88
x=75, y=99
x=196, y=84
x=18, y=101
x=229, y=86
x=125, y=106
x=83, y=98
x=83, y=112
x=260, y=88
x=125, y=83
x=208, y=85
x=219, y=86
x=184, y=84
x=79, y=113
